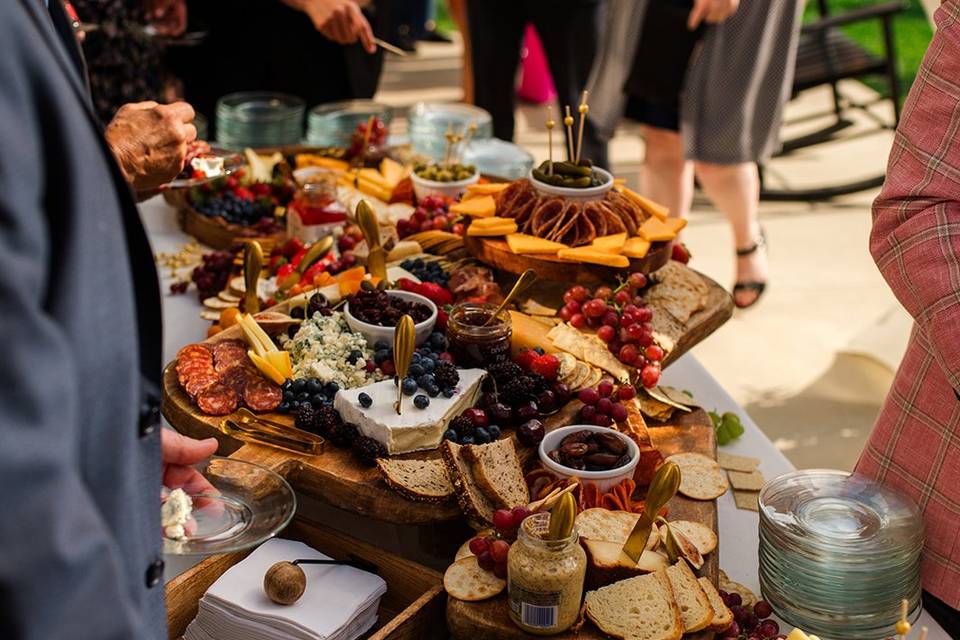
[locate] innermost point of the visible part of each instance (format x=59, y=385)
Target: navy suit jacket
x=80, y=344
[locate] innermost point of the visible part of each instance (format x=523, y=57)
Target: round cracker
x=699, y=534
x=693, y=459
x=702, y=482
x=209, y=314
x=465, y=580
x=214, y=302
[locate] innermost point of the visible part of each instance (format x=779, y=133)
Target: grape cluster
x=748, y=624
x=212, y=275
x=432, y=213
x=430, y=271
x=621, y=319
x=377, y=139
x=602, y=405
x=491, y=551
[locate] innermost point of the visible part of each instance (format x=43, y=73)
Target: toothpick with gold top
x=568, y=123
x=583, y=109
x=449, y=136
x=467, y=139
x=403, y=342
x=551, y=123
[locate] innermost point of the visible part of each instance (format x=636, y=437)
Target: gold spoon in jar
x=526, y=279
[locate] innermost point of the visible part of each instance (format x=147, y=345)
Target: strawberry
x=526, y=357
x=277, y=261
x=406, y=284
x=244, y=194
x=314, y=270
x=546, y=365
x=292, y=247
x=437, y=294
x=232, y=182
x=287, y=276
x=681, y=253
x=298, y=256
x=441, y=324
x=261, y=189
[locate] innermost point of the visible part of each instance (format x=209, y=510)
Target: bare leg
x=667, y=176
x=458, y=11
x=735, y=190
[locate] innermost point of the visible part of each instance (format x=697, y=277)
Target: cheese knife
x=370, y=226
x=663, y=487
x=404, y=337
x=252, y=264
x=316, y=251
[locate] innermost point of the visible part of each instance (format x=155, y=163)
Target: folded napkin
x=340, y=602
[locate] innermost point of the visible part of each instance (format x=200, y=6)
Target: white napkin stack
x=340, y=602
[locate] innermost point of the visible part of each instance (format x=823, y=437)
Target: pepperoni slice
x=200, y=382
x=218, y=400
x=192, y=350
x=261, y=394
x=194, y=369
x=227, y=354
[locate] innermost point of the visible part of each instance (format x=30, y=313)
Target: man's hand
x=169, y=17
x=150, y=141
x=711, y=11
x=338, y=20
x=178, y=453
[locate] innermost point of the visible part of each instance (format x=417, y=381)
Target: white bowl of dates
x=581, y=182
x=374, y=314
x=600, y=456
x=449, y=181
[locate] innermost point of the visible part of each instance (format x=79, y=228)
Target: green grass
x=912, y=33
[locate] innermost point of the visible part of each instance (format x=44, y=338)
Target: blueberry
x=416, y=357
x=494, y=431
x=294, y=405
x=450, y=434
x=421, y=401
x=354, y=356
x=380, y=356
x=409, y=386
x=381, y=345
x=426, y=380
x=331, y=389
x=416, y=369
x=428, y=364
x=289, y=395
x=467, y=440
x=433, y=390
x=482, y=435
x=365, y=400
x=539, y=350
x=449, y=392
x=302, y=396
x=424, y=351
x=313, y=386
x=287, y=384
x=284, y=407
x=438, y=341
x=317, y=400
x=299, y=385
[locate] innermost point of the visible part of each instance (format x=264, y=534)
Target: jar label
x=535, y=609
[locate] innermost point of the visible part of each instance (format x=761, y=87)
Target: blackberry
x=328, y=419
x=462, y=425
x=306, y=418
x=446, y=374
x=517, y=390
x=368, y=449
x=505, y=371
x=539, y=382
x=343, y=435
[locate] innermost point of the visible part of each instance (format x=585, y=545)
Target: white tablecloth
x=738, y=528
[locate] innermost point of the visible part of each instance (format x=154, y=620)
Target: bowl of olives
x=600, y=456
x=571, y=181
x=450, y=181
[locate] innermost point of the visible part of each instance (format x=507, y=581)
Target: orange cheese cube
x=487, y=189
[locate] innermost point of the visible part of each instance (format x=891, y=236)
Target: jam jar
x=544, y=578
x=474, y=343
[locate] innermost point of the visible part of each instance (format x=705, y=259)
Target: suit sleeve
x=61, y=573
x=915, y=239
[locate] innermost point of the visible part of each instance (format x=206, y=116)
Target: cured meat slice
x=614, y=223
x=573, y=213
x=592, y=212
x=229, y=353
x=524, y=212
x=545, y=216
x=200, y=382
x=583, y=233
x=261, y=394
x=218, y=400
x=237, y=377
x=192, y=350
x=193, y=369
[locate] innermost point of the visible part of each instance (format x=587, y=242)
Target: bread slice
x=695, y=610
x=497, y=471
x=473, y=502
x=417, y=480
x=641, y=608
x=722, y=616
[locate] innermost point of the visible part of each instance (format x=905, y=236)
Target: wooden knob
x=284, y=582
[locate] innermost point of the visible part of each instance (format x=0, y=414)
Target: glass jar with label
x=315, y=211
x=544, y=578
x=473, y=342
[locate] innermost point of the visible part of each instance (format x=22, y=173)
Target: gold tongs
x=253, y=428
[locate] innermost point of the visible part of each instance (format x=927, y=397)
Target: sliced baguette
x=497, y=471
x=722, y=616
x=641, y=608
x=695, y=610
x=473, y=502
x=417, y=480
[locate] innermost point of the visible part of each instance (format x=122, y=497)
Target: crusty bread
x=641, y=608
x=722, y=616
x=695, y=610
x=473, y=502
x=417, y=480
x=497, y=471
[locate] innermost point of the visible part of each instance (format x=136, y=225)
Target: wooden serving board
x=496, y=253
x=490, y=620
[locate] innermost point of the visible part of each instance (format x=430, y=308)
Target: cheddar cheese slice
x=521, y=243
x=593, y=255
x=612, y=243
x=487, y=189
x=648, y=205
x=492, y=230
x=676, y=223
x=491, y=222
x=483, y=207
x=656, y=230
x=636, y=248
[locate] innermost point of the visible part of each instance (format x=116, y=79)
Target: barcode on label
x=534, y=616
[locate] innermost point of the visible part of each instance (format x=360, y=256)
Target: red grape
x=643, y=314
x=627, y=392
x=631, y=309
x=653, y=352
x=733, y=631
x=604, y=406
x=602, y=420
x=499, y=551
x=565, y=314
x=594, y=308
x=769, y=628
x=763, y=609
x=589, y=396
x=606, y=333
x=637, y=280
x=628, y=354
x=618, y=412
x=439, y=223
x=733, y=599
x=588, y=413
x=519, y=515
x=578, y=321
x=625, y=335
x=478, y=546
x=603, y=293
x=622, y=297
x=650, y=375
x=458, y=228
x=503, y=520
x=500, y=570
x=485, y=560
x=573, y=307
x=739, y=614
x=635, y=331
x=579, y=293
x=646, y=338
x=594, y=323
x=611, y=319
x=605, y=388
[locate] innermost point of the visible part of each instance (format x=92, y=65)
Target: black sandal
x=758, y=287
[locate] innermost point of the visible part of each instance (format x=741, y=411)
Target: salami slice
x=261, y=394
x=200, y=382
x=192, y=369
x=192, y=350
x=227, y=354
x=218, y=400
x=237, y=377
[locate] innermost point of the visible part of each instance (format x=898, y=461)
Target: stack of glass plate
x=496, y=157
x=333, y=124
x=259, y=119
x=838, y=552
x=429, y=121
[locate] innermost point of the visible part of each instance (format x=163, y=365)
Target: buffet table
x=738, y=528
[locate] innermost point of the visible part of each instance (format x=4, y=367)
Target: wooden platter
x=496, y=253
x=490, y=620
x=411, y=609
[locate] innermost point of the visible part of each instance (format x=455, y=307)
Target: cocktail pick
x=526, y=279
x=583, y=109
x=370, y=226
x=252, y=264
x=903, y=624
x=449, y=136
x=551, y=123
x=568, y=123
x=467, y=139
x=404, y=337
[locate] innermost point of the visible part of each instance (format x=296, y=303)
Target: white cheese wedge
x=174, y=513
x=415, y=429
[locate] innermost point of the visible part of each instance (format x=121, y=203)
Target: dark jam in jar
x=472, y=343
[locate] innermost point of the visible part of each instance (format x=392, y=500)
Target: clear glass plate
x=243, y=505
x=232, y=161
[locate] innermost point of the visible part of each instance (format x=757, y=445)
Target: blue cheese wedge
x=175, y=513
x=415, y=429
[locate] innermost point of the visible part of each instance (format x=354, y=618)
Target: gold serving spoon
x=370, y=226
x=663, y=487
x=404, y=337
x=252, y=265
x=526, y=279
